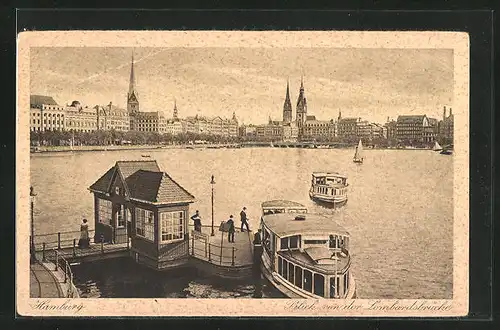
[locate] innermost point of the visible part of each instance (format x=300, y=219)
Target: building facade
x=135, y=200
x=46, y=114
x=413, y=128
x=318, y=130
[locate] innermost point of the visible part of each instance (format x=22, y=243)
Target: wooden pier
x=212, y=255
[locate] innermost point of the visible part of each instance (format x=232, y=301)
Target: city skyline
x=370, y=83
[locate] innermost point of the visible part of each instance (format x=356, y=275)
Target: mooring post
x=128, y=242
x=58, y=241
x=74, y=247
x=232, y=262
x=209, y=253
x=57, y=259
x=102, y=245
x=65, y=272
x=206, y=243
x=43, y=252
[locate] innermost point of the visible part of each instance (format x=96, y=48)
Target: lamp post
x=212, y=183
x=32, y=241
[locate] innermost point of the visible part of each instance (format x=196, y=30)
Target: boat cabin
x=282, y=206
x=308, y=253
x=135, y=200
x=329, y=183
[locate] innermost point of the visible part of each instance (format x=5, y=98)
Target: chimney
x=451, y=112
x=444, y=112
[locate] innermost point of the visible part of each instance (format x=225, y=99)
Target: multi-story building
x=46, y=114
x=247, y=130
x=272, y=131
x=347, y=128
x=290, y=132
x=413, y=128
x=80, y=118
x=111, y=117
x=363, y=129
x=314, y=129
x=152, y=121
x=391, y=129
x=378, y=131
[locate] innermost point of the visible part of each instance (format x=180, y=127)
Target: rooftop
x=329, y=174
x=145, y=182
x=42, y=99
x=284, y=224
x=411, y=119
x=157, y=187
x=281, y=203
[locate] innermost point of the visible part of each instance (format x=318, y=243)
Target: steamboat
x=305, y=255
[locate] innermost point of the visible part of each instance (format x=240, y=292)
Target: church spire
x=132, y=95
x=131, y=86
x=287, y=106
x=175, y=109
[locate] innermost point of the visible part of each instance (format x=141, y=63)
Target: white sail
x=437, y=147
x=359, y=151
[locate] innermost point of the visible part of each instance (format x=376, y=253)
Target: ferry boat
x=358, y=154
x=329, y=187
x=305, y=255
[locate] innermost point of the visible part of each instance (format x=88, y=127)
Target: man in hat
x=230, y=231
x=243, y=216
x=197, y=221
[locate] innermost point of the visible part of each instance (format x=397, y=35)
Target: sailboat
x=358, y=155
x=437, y=147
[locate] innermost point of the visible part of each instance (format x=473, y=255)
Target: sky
x=369, y=83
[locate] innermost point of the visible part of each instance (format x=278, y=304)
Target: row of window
x=57, y=115
x=309, y=281
x=171, y=225
x=330, y=191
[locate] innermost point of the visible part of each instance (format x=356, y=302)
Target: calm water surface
x=399, y=213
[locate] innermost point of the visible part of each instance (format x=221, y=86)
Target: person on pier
x=243, y=216
x=197, y=221
x=84, y=241
x=230, y=231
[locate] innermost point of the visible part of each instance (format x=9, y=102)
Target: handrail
x=211, y=252
x=62, y=264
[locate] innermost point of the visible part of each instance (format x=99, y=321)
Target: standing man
x=230, y=231
x=197, y=221
x=243, y=215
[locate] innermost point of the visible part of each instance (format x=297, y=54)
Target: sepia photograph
x=249, y=173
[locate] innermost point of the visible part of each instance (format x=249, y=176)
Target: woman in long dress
x=84, y=241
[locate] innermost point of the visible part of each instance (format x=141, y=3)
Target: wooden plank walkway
x=235, y=254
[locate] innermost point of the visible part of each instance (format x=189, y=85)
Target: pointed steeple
x=132, y=95
x=131, y=86
x=287, y=106
x=340, y=115
x=175, y=110
x=301, y=105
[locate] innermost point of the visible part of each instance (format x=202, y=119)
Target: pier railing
x=59, y=240
x=62, y=265
x=202, y=248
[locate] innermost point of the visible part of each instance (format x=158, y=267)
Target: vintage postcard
x=232, y=173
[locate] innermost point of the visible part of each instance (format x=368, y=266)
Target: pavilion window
x=280, y=265
x=122, y=216
x=144, y=223
x=105, y=209
x=172, y=226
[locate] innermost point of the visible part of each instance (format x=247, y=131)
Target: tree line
x=114, y=137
